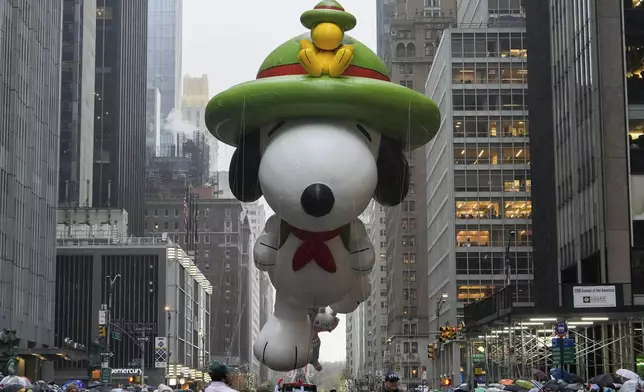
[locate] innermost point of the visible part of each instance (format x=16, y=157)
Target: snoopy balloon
x=319, y=133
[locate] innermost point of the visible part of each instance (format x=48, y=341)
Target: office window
x=409, y=258
x=409, y=240
x=408, y=223
x=407, y=83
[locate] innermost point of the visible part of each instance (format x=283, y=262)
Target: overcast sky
x=228, y=41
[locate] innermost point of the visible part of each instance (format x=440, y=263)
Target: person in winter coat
x=219, y=376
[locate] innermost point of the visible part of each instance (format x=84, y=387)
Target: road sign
x=142, y=338
x=563, y=351
x=107, y=354
x=567, y=342
x=568, y=358
x=117, y=336
x=561, y=329
x=106, y=375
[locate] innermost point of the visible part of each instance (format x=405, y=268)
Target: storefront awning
x=52, y=353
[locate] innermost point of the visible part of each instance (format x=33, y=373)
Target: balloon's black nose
x=317, y=200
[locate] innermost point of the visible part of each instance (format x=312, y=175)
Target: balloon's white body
x=295, y=156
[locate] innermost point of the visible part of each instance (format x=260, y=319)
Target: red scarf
x=313, y=248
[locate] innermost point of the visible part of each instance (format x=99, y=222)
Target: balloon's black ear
x=393, y=173
x=243, y=175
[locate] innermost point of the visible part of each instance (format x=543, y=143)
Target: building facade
x=168, y=176
x=193, y=108
x=30, y=79
x=267, y=298
x=222, y=251
x=585, y=228
x=158, y=292
x=408, y=35
x=77, y=104
x=478, y=176
x=367, y=338
x=164, y=51
x=153, y=123
x=119, y=106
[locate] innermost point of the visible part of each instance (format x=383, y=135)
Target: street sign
x=140, y=327
x=106, y=375
x=142, y=338
x=117, y=336
x=102, y=317
x=561, y=329
x=107, y=354
x=567, y=342
x=564, y=351
x=478, y=358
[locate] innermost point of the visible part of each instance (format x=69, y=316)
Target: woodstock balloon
x=319, y=133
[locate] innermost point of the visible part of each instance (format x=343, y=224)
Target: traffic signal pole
x=108, y=316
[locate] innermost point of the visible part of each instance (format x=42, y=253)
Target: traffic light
x=451, y=335
x=134, y=379
x=444, y=334
x=102, y=331
x=431, y=351
x=446, y=382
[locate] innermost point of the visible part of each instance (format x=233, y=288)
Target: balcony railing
x=493, y=307
x=124, y=241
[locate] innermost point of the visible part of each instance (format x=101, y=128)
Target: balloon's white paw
x=362, y=256
x=265, y=252
x=284, y=345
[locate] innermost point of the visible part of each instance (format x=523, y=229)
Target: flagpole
x=186, y=205
x=196, y=225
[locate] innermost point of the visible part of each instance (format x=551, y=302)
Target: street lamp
x=439, y=305
x=507, y=259
x=108, y=337
x=167, y=361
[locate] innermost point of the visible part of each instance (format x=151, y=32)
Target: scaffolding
x=523, y=348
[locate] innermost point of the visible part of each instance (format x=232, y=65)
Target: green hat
x=218, y=367
x=328, y=11
x=284, y=90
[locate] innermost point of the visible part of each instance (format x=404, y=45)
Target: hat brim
x=396, y=111
x=345, y=20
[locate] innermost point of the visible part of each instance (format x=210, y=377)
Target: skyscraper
x=164, y=34
x=409, y=32
x=367, y=337
x=77, y=104
x=30, y=76
x=119, y=128
x=583, y=223
x=194, y=99
x=478, y=183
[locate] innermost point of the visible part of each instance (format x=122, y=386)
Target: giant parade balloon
x=319, y=133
